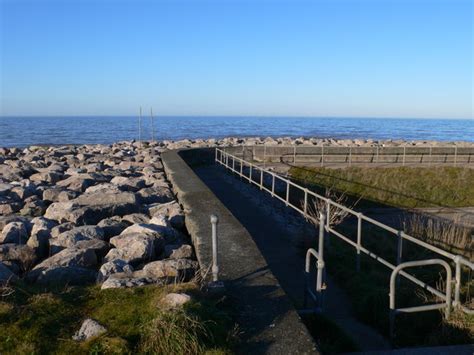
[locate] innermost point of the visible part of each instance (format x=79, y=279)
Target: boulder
x=8, y=206
x=135, y=218
x=134, y=248
x=6, y=275
x=71, y=237
x=123, y=282
x=66, y=275
x=183, y=251
x=112, y=226
x=155, y=195
x=33, y=206
x=73, y=257
x=174, y=300
x=172, y=210
x=5, y=189
x=47, y=176
x=22, y=255
x=91, y=208
x=78, y=182
x=89, y=329
x=113, y=267
x=63, y=227
x=40, y=235
x=14, y=232
x=181, y=269
x=128, y=183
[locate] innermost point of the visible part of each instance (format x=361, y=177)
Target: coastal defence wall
x=326, y=155
x=268, y=319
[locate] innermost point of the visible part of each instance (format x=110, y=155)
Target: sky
x=349, y=58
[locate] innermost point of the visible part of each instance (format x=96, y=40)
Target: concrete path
x=281, y=248
x=267, y=319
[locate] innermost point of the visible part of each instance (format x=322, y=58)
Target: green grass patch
x=406, y=187
x=35, y=321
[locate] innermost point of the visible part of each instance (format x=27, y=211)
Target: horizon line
x=238, y=116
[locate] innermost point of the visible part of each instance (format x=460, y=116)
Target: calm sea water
x=24, y=131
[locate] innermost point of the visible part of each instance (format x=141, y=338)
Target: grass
x=406, y=187
x=36, y=321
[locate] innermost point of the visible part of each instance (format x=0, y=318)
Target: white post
x=215, y=266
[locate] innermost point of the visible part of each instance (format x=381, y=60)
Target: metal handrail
x=451, y=154
x=447, y=304
x=223, y=158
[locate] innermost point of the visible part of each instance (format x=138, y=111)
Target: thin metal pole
x=264, y=155
x=140, y=125
x=152, y=126
x=457, y=278
x=322, y=155
x=273, y=185
x=359, y=239
x=319, y=275
x=399, y=248
x=261, y=179
x=305, y=208
x=404, y=152
x=287, y=192
x=455, y=155
x=350, y=156
x=294, y=154
x=215, y=266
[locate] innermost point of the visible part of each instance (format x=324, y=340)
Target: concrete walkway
x=269, y=322
x=281, y=247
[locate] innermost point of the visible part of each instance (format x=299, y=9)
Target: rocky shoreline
x=105, y=213
x=84, y=214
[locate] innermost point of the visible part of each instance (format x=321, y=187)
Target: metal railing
x=447, y=304
x=256, y=176
x=324, y=155
x=317, y=296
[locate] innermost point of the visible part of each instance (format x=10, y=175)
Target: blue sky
x=400, y=58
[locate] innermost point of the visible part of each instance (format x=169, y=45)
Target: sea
x=25, y=131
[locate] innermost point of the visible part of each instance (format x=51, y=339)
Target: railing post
x=273, y=185
x=215, y=266
x=305, y=206
x=404, y=154
x=359, y=240
x=455, y=155
x=319, y=275
x=399, y=248
x=457, y=280
x=261, y=179
x=250, y=174
x=322, y=155
x=264, y=155
x=350, y=156
x=233, y=164
x=215, y=157
x=287, y=192
x=294, y=155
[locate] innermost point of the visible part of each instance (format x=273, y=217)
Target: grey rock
x=40, y=235
x=113, y=267
x=71, y=237
x=6, y=275
x=183, y=251
x=128, y=183
x=22, y=255
x=135, y=218
x=155, y=195
x=14, y=232
x=181, y=269
x=112, y=226
x=89, y=329
x=174, y=300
